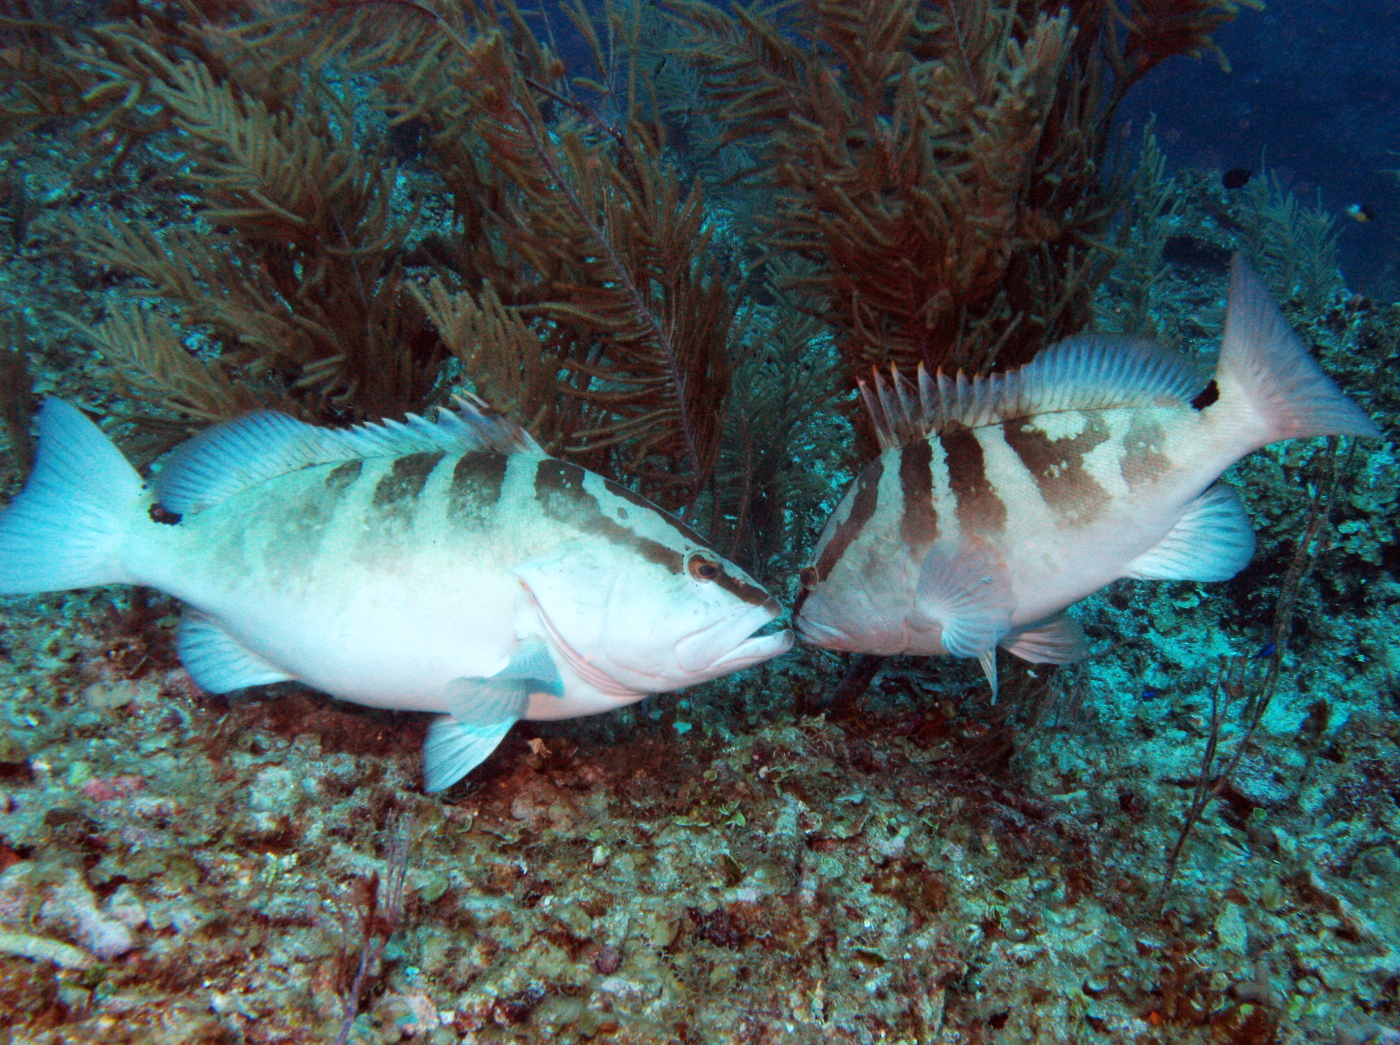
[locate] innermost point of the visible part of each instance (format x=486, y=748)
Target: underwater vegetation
x=667, y=241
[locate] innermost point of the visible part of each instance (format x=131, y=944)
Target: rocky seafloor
x=738, y=863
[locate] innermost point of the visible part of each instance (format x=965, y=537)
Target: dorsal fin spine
x=228, y=458
x=1082, y=373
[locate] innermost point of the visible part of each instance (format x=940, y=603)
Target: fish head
x=638, y=597
x=854, y=610
x=854, y=595
x=652, y=625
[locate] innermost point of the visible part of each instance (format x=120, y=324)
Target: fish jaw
x=817, y=625
x=730, y=643
x=815, y=634
x=649, y=625
x=754, y=650
x=866, y=606
x=588, y=690
x=718, y=648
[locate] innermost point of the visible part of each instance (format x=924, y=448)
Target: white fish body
x=449, y=567
x=998, y=502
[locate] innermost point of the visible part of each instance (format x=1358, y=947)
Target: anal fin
x=1212, y=541
x=218, y=662
x=482, y=710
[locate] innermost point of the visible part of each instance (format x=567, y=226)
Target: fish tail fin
x=66, y=528
x=1267, y=378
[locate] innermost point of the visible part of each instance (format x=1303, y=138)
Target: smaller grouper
x=448, y=566
x=997, y=502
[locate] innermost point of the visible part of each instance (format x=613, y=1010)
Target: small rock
x=607, y=959
x=73, y=907
x=1232, y=929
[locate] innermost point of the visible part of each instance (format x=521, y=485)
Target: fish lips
x=720, y=648
x=873, y=632
x=823, y=635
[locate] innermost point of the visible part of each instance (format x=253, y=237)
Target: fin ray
x=452, y=749
x=988, y=659
x=966, y=590
x=1267, y=375
x=1212, y=541
x=1055, y=640
x=482, y=710
x=1093, y=372
x=217, y=661
x=228, y=458
x=65, y=529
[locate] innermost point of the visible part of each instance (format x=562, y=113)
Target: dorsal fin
x=228, y=458
x=1095, y=372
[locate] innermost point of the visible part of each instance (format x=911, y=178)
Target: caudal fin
x=65, y=528
x=1267, y=378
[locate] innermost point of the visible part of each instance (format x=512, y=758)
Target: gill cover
x=644, y=626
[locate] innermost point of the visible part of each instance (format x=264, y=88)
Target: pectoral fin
x=965, y=589
x=532, y=663
x=482, y=710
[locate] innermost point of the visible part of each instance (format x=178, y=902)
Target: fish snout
x=754, y=650
x=730, y=643
x=824, y=635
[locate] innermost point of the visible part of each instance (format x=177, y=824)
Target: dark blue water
x=1313, y=88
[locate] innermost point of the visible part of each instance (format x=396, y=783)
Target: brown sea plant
x=940, y=164
x=16, y=345
x=571, y=229
x=778, y=447
x=581, y=225
x=937, y=167
x=1150, y=205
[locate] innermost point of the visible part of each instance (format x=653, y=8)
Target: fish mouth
x=696, y=653
x=755, y=650
x=880, y=643
x=823, y=635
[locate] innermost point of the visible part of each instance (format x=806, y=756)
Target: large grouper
x=444, y=566
x=997, y=502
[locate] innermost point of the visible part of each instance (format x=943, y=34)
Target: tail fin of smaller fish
x=66, y=527
x=1266, y=374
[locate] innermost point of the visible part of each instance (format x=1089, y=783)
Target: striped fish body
x=376, y=571
x=449, y=567
x=998, y=502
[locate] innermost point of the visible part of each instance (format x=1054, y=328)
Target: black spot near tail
x=1207, y=396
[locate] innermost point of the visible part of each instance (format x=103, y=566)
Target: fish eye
x=703, y=568
x=808, y=578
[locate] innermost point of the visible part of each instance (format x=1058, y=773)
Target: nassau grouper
x=996, y=502
x=446, y=566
